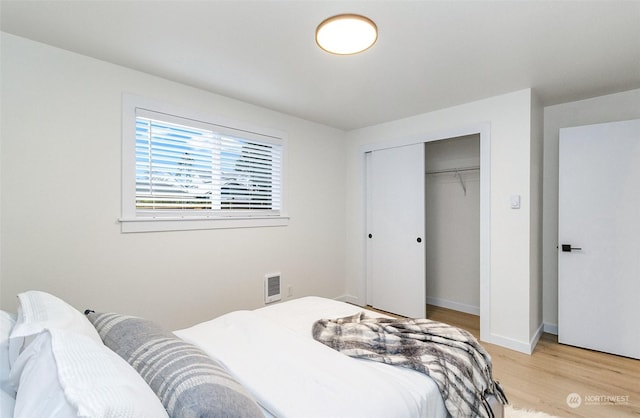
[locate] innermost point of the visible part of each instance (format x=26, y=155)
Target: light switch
x=515, y=201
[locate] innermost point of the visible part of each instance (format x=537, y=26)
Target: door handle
x=567, y=248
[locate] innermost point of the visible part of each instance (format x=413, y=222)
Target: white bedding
x=272, y=353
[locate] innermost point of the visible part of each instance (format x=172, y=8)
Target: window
x=182, y=172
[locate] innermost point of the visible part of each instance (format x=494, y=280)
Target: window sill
x=190, y=224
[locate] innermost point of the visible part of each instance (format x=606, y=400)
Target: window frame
x=132, y=220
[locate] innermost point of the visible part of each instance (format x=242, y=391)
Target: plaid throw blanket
x=452, y=357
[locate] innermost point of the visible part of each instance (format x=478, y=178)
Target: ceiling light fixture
x=346, y=34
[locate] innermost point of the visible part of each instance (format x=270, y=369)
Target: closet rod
x=454, y=170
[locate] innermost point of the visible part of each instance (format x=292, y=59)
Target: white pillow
x=7, y=322
x=38, y=311
x=65, y=374
x=7, y=403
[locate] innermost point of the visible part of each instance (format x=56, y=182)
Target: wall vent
x=272, y=288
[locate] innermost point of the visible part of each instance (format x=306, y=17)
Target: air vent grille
x=272, y=288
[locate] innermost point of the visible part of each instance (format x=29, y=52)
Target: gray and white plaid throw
x=452, y=357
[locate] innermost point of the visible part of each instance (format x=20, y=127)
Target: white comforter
x=272, y=353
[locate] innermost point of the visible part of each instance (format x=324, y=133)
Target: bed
x=263, y=362
x=292, y=375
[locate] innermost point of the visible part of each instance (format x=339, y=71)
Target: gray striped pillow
x=188, y=382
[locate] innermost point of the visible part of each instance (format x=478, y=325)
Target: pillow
x=7, y=403
x=7, y=322
x=38, y=311
x=188, y=382
x=65, y=374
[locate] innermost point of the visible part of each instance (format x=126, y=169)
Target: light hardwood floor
x=544, y=380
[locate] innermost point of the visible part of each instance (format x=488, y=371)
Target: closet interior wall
x=452, y=170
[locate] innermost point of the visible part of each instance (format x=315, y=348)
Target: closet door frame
x=484, y=130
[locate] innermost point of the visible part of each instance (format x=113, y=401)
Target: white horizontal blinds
x=250, y=177
x=193, y=169
x=173, y=166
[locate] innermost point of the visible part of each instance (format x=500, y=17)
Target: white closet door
x=396, y=223
x=599, y=226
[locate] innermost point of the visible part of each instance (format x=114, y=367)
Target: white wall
x=610, y=108
x=453, y=224
x=60, y=194
x=509, y=279
x=58, y=107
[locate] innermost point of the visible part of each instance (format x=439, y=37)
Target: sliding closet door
x=396, y=218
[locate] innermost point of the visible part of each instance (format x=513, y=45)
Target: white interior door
x=396, y=218
x=599, y=237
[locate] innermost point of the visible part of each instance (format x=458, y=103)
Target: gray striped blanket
x=452, y=357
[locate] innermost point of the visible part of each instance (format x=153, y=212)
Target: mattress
x=272, y=353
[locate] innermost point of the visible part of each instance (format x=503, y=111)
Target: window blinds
x=190, y=168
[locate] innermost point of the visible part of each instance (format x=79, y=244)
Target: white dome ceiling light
x=346, y=34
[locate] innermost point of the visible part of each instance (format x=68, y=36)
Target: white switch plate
x=515, y=201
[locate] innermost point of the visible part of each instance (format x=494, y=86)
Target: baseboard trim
x=551, y=328
x=509, y=343
x=523, y=347
x=456, y=306
x=536, y=338
x=349, y=299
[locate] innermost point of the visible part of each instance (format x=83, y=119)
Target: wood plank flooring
x=544, y=380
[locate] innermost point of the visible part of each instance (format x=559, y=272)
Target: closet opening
x=429, y=193
x=452, y=224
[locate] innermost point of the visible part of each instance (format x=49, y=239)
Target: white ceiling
x=429, y=55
